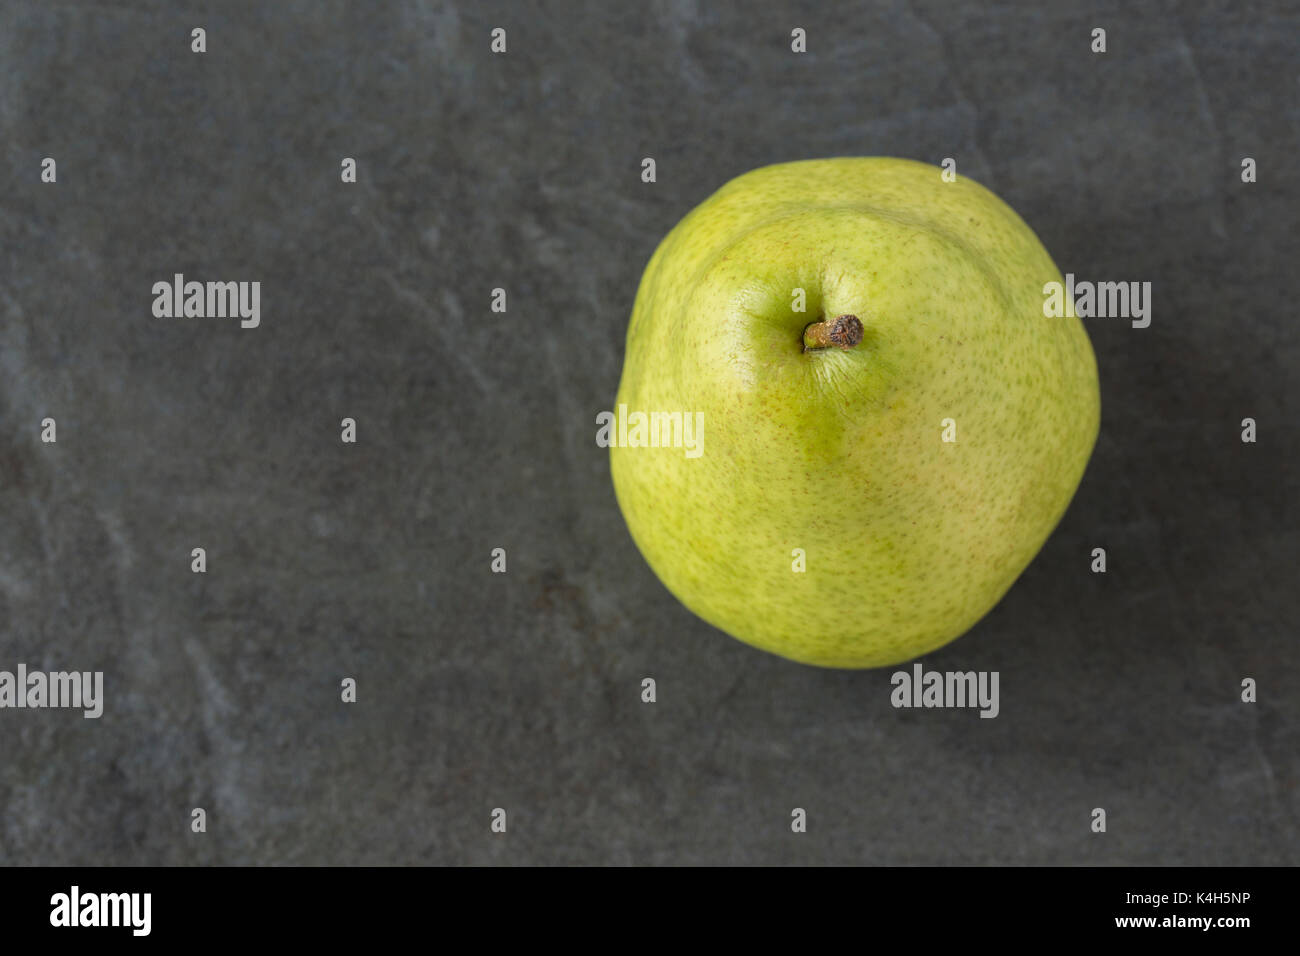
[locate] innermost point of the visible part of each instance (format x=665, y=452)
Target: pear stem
x=842, y=332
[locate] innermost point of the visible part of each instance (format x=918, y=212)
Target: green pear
x=889, y=427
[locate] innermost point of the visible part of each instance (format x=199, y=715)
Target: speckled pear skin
x=909, y=540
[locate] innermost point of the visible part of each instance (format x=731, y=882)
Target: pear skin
x=912, y=466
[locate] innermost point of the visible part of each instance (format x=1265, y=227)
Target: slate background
x=522, y=690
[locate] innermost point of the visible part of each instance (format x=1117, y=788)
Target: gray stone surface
x=521, y=690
